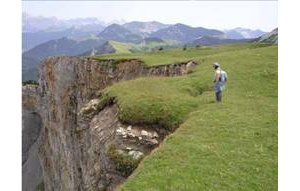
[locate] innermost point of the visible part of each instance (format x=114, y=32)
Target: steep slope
x=84, y=144
x=270, y=38
x=184, y=33
x=105, y=48
x=63, y=46
x=144, y=27
x=117, y=32
x=110, y=47
x=32, y=39
x=31, y=59
x=122, y=48
x=32, y=174
x=151, y=40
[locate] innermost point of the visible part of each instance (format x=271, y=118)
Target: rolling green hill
x=231, y=146
x=153, y=44
x=170, y=56
x=128, y=48
x=122, y=48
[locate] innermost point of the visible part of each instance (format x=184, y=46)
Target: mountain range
x=184, y=33
x=32, y=39
x=242, y=33
x=270, y=38
x=38, y=23
x=144, y=27
x=43, y=37
x=38, y=30
x=63, y=46
x=119, y=33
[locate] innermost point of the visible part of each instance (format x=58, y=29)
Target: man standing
x=220, y=79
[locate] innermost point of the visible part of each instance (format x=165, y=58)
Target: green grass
x=128, y=48
x=152, y=46
x=122, y=48
x=125, y=163
x=232, y=146
x=171, y=56
x=151, y=105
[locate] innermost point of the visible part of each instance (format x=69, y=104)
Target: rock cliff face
x=31, y=127
x=83, y=144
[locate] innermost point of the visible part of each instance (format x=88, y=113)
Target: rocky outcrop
x=109, y=149
x=269, y=38
x=176, y=69
x=83, y=144
x=31, y=127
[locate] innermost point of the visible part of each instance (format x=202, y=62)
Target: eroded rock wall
x=73, y=150
x=31, y=126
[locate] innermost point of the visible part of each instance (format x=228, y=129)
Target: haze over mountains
x=144, y=27
x=184, y=33
x=35, y=24
x=241, y=33
x=43, y=37
x=271, y=37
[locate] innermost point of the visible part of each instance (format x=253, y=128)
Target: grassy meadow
x=229, y=146
x=123, y=48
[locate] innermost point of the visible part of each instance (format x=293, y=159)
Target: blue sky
x=213, y=14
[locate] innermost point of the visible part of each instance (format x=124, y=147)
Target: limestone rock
x=31, y=128
x=190, y=66
x=132, y=135
x=121, y=131
x=73, y=146
x=90, y=107
x=155, y=135
x=144, y=133
x=136, y=154
x=153, y=141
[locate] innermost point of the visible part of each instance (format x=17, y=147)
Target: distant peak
x=180, y=24
x=114, y=25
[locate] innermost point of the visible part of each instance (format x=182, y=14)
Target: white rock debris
x=136, y=154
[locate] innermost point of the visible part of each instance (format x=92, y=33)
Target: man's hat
x=216, y=65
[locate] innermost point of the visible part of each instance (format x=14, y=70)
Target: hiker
x=220, y=79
